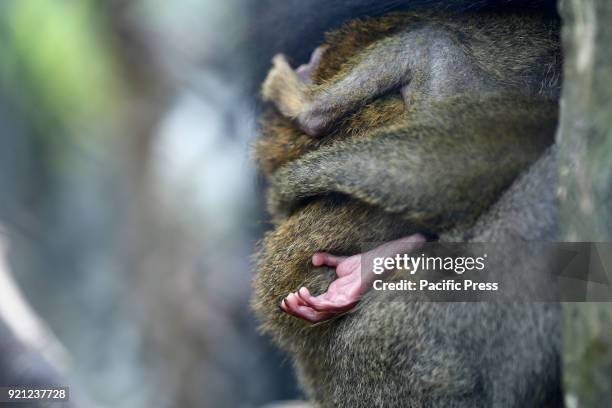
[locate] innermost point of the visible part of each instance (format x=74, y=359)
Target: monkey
x=414, y=200
x=517, y=54
x=524, y=75
x=427, y=161
x=272, y=27
x=389, y=352
x=434, y=56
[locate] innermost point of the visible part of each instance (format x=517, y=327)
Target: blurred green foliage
x=56, y=67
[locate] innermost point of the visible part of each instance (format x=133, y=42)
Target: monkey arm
x=425, y=60
x=382, y=67
x=428, y=171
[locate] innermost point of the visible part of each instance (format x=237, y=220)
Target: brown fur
x=452, y=159
x=514, y=48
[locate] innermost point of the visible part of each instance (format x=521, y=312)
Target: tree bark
x=585, y=188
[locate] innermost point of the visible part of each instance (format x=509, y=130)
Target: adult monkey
x=296, y=27
x=389, y=353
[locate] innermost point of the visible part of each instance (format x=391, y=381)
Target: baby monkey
x=344, y=292
x=426, y=60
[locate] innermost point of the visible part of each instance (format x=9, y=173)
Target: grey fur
x=438, y=57
x=394, y=353
x=396, y=170
x=442, y=168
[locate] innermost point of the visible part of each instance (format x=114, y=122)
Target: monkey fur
x=503, y=127
x=436, y=164
x=434, y=56
x=273, y=23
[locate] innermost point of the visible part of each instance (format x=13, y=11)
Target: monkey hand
x=344, y=292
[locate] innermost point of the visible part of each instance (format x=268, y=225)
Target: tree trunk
x=585, y=190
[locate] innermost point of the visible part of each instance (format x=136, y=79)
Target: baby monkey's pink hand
x=344, y=292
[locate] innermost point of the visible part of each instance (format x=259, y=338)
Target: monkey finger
x=319, y=303
x=304, y=294
x=295, y=307
x=323, y=258
x=293, y=303
x=325, y=304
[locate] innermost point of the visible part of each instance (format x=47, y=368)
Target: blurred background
x=129, y=206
